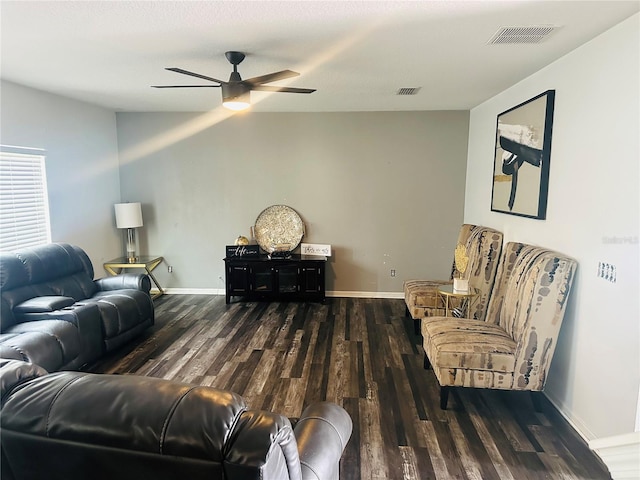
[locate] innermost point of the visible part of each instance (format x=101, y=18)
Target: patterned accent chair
x=483, y=248
x=513, y=348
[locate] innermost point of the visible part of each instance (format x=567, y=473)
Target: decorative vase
x=460, y=285
x=242, y=240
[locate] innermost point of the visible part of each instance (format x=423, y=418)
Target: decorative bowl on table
x=279, y=229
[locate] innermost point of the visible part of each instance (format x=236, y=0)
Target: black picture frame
x=522, y=158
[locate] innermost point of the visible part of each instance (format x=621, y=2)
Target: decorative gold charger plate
x=278, y=228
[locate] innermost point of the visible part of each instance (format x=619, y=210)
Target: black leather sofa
x=55, y=315
x=73, y=425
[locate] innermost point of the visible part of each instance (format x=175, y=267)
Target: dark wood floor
x=363, y=355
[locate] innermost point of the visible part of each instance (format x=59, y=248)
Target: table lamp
x=129, y=216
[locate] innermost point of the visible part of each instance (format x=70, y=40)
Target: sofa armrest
x=15, y=372
x=322, y=434
x=262, y=446
x=136, y=281
x=84, y=316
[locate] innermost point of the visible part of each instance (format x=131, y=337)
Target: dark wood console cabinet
x=299, y=277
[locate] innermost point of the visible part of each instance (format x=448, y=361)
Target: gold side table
x=148, y=263
x=457, y=301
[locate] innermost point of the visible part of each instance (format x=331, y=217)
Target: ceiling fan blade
x=187, y=72
x=271, y=77
x=265, y=88
x=185, y=86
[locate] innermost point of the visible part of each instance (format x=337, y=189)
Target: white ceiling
x=357, y=54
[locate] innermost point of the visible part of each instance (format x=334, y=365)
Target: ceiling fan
x=235, y=92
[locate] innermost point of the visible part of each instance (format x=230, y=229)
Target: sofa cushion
x=121, y=310
x=47, y=270
x=469, y=344
x=422, y=299
x=33, y=347
x=61, y=343
x=170, y=418
x=50, y=262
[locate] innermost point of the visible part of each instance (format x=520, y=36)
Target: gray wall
x=386, y=190
x=81, y=163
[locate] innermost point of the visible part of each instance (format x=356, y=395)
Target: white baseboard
x=348, y=294
x=576, y=423
x=191, y=291
x=335, y=294
x=621, y=454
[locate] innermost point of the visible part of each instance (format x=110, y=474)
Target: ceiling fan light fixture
x=235, y=105
x=236, y=96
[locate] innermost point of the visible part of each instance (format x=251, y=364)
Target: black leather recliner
x=73, y=425
x=54, y=314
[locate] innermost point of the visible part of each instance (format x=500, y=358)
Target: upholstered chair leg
x=427, y=363
x=406, y=311
x=444, y=397
x=416, y=326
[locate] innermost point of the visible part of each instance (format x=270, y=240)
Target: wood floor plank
x=559, y=468
x=364, y=355
x=551, y=442
x=438, y=464
x=516, y=435
x=504, y=457
x=305, y=354
x=571, y=440
x=477, y=447
x=406, y=414
x=373, y=454
x=352, y=384
x=409, y=462
x=414, y=388
x=351, y=456
x=470, y=464
x=393, y=425
x=316, y=385
x=225, y=376
x=448, y=449
x=260, y=375
x=293, y=351
x=335, y=383
x=245, y=372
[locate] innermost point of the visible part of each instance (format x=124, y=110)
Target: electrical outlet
x=170, y=269
x=607, y=271
x=393, y=272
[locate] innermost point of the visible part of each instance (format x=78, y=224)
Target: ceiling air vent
x=408, y=91
x=518, y=35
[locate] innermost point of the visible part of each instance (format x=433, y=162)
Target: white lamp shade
x=128, y=215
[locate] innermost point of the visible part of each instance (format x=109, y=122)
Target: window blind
x=24, y=205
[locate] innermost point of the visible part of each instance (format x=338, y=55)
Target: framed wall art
x=522, y=155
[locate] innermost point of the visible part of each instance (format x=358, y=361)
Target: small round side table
x=457, y=303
